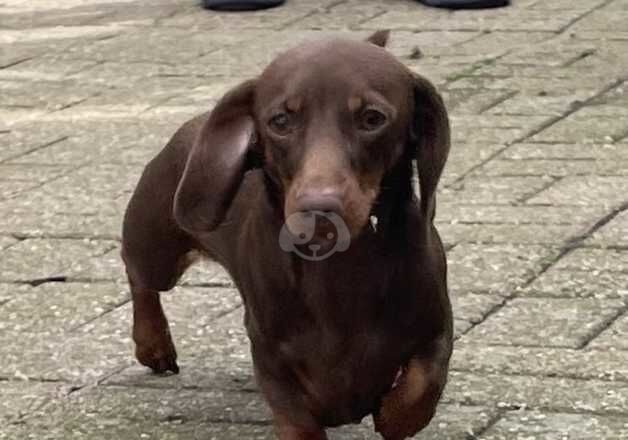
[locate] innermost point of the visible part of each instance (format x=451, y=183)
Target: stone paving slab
x=92, y=352
x=62, y=307
x=497, y=190
x=581, y=284
x=545, y=393
x=6, y=241
x=601, y=152
x=15, y=143
x=492, y=129
x=614, y=233
x=29, y=173
x=44, y=69
x=532, y=209
x=556, y=322
x=58, y=198
x=114, y=140
x=217, y=357
x=507, y=233
x=495, y=268
x=41, y=258
x=549, y=87
x=9, y=291
x=97, y=348
x=49, y=95
x=585, y=190
x=174, y=417
x=457, y=212
x=259, y=20
x=593, y=363
x=556, y=426
x=554, y=168
x=11, y=188
x=615, y=337
x=514, y=19
x=594, y=259
x=538, y=102
x=588, y=125
x=22, y=398
x=463, y=160
x=109, y=267
x=52, y=224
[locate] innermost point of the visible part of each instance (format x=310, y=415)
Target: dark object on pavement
x=241, y=5
x=465, y=4
x=347, y=317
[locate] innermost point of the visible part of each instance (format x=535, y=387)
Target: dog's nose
x=325, y=201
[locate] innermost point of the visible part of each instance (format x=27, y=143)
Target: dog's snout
x=325, y=201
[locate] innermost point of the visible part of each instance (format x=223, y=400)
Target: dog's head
x=329, y=121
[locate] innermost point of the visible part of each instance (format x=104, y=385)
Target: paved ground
x=534, y=208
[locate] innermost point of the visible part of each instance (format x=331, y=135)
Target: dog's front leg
x=288, y=430
x=410, y=405
x=151, y=333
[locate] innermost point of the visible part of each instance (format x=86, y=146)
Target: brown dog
x=318, y=149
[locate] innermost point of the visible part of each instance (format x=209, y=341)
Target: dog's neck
x=391, y=205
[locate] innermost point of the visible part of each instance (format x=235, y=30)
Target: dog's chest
x=343, y=346
x=343, y=373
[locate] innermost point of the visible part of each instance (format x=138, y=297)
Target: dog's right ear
x=379, y=38
x=216, y=164
x=431, y=137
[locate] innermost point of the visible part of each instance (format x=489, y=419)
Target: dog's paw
x=409, y=405
x=154, y=348
x=396, y=423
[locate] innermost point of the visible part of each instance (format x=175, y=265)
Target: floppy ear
x=379, y=38
x=431, y=140
x=217, y=162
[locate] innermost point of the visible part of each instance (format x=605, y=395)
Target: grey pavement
x=533, y=208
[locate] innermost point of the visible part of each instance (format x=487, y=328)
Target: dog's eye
x=281, y=123
x=372, y=120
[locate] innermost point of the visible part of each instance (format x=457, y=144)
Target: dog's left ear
x=379, y=38
x=431, y=139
